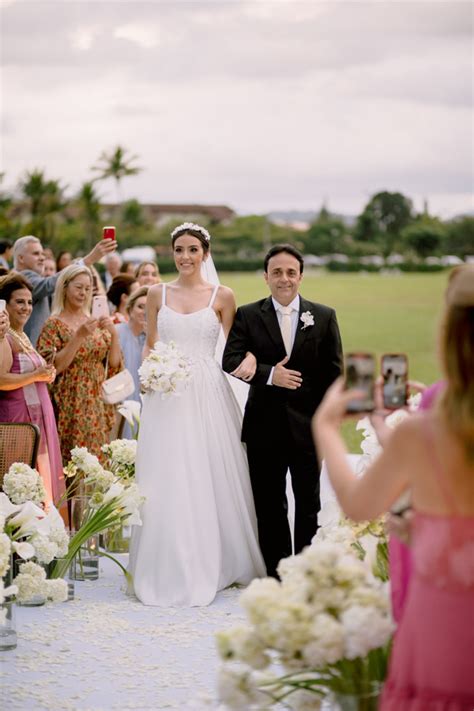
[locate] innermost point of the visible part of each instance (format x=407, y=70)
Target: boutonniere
x=308, y=319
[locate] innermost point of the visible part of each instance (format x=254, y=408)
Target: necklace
x=22, y=339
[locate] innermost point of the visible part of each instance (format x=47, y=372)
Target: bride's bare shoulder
x=225, y=296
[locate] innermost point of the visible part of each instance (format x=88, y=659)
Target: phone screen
x=395, y=380
x=108, y=232
x=3, y=305
x=360, y=374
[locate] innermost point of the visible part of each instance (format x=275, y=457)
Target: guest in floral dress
x=24, y=376
x=79, y=346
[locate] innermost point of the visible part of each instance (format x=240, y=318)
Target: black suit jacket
x=317, y=354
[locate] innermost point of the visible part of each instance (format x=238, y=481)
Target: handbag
x=118, y=387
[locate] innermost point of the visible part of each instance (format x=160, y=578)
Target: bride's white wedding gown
x=199, y=532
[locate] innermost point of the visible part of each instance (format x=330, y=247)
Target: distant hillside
x=306, y=216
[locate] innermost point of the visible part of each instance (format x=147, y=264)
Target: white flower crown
x=191, y=226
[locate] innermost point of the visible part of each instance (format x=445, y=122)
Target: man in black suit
x=298, y=350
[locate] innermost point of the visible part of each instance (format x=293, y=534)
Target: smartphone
x=360, y=374
x=3, y=305
x=395, y=380
x=100, y=306
x=108, y=232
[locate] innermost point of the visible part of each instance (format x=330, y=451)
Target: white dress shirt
x=295, y=306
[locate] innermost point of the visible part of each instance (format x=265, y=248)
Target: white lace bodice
x=195, y=334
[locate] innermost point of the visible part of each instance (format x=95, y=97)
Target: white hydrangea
x=45, y=549
x=326, y=645
x=5, y=553
x=240, y=643
x=56, y=590
x=101, y=479
x=237, y=689
x=85, y=461
x=22, y=483
x=30, y=582
x=365, y=628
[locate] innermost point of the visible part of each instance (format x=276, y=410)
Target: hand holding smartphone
x=360, y=374
x=395, y=380
x=108, y=232
x=100, y=307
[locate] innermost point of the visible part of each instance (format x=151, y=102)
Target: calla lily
x=25, y=550
x=115, y=492
x=130, y=409
x=52, y=518
x=6, y=506
x=26, y=519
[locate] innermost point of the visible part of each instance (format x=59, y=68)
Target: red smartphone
x=395, y=380
x=108, y=232
x=360, y=374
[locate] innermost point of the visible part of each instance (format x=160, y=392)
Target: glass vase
x=85, y=564
x=7, y=626
x=117, y=539
x=367, y=700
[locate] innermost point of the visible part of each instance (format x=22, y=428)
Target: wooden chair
x=19, y=442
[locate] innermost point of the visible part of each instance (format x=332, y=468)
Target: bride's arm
x=153, y=304
x=248, y=366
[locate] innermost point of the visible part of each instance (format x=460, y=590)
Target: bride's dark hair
x=195, y=231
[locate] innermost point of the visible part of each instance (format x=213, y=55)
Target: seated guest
x=147, y=274
x=118, y=293
x=132, y=341
x=432, y=454
x=80, y=346
x=24, y=393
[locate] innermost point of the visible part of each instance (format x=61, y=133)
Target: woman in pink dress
x=432, y=454
x=24, y=382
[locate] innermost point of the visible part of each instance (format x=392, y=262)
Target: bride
x=199, y=532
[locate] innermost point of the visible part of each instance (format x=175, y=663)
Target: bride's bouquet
x=166, y=370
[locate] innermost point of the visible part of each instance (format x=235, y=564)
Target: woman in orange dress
x=79, y=346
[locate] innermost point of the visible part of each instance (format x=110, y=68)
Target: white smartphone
x=3, y=305
x=100, y=307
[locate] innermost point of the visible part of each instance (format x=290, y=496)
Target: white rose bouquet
x=327, y=624
x=166, y=370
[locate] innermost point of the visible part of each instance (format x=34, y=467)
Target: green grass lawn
x=376, y=313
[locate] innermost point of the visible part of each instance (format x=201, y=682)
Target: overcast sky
x=261, y=105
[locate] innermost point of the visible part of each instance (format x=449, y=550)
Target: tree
x=116, y=165
x=383, y=218
x=88, y=202
x=45, y=201
x=424, y=237
x=460, y=238
x=327, y=234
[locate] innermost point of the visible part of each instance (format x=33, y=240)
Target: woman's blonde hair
x=65, y=278
x=457, y=355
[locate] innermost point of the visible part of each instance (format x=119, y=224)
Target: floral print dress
x=83, y=419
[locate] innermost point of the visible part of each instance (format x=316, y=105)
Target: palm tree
x=46, y=200
x=116, y=165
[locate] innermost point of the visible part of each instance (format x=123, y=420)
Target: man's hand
x=105, y=246
x=247, y=368
x=284, y=378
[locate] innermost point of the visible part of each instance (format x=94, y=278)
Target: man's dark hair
x=4, y=245
x=278, y=249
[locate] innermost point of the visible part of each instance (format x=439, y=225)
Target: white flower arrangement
x=166, y=370
x=31, y=581
x=121, y=455
x=22, y=483
x=321, y=625
x=308, y=320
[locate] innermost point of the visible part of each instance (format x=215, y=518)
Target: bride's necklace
x=22, y=339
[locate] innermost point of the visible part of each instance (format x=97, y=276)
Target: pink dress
x=399, y=554
x=31, y=403
x=431, y=666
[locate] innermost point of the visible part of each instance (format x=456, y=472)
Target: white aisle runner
x=106, y=651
